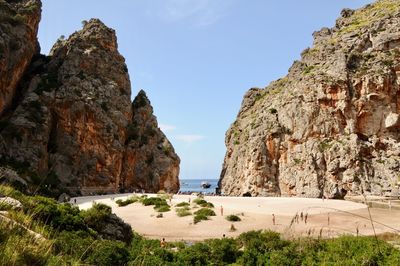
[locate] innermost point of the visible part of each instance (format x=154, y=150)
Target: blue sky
x=197, y=58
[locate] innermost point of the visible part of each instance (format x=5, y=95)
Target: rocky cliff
x=19, y=22
x=70, y=128
x=332, y=125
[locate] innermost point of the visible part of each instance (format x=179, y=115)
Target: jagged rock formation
x=72, y=120
x=19, y=22
x=144, y=165
x=331, y=126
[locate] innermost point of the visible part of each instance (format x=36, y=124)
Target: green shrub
x=95, y=215
x=203, y=203
x=258, y=245
x=233, y=218
x=181, y=212
x=199, y=201
x=122, y=203
x=76, y=244
x=223, y=251
x=199, y=217
x=154, y=201
x=202, y=214
x=107, y=252
x=182, y=204
x=205, y=211
x=207, y=205
x=198, y=254
x=60, y=216
x=162, y=208
x=148, y=252
x=19, y=248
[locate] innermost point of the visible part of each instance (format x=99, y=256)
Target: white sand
x=256, y=213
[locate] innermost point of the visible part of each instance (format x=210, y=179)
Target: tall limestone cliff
x=19, y=21
x=70, y=128
x=150, y=161
x=331, y=127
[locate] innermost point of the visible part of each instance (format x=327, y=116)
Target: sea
x=194, y=185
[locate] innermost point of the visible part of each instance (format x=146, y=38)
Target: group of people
x=303, y=217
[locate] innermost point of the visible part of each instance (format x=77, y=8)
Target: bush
x=258, y=245
x=199, y=217
x=108, y=252
x=199, y=201
x=17, y=247
x=60, y=216
x=223, y=251
x=203, y=214
x=198, y=254
x=203, y=203
x=183, y=204
x=207, y=205
x=205, y=211
x=76, y=244
x=122, y=203
x=181, y=212
x=148, y=252
x=99, y=212
x=162, y=208
x=233, y=218
x=154, y=201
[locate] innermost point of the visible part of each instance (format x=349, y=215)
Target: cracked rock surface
x=331, y=127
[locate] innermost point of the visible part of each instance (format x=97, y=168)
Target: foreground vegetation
x=68, y=236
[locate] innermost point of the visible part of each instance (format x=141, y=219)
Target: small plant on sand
x=199, y=201
x=153, y=201
x=162, y=208
x=184, y=211
x=199, y=217
x=126, y=202
x=203, y=214
x=203, y=203
x=233, y=218
x=205, y=211
x=182, y=204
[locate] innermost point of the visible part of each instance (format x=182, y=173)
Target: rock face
x=19, y=22
x=71, y=125
x=331, y=126
x=150, y=161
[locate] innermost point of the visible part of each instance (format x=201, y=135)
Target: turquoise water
x=193, y=185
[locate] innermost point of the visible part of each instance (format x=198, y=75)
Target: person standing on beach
x=163, y=243
x=305, y=218
x=273, y=219
x=329, y=219
x=301, y=216
x=222, y=211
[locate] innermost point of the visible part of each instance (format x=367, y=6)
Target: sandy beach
x=327, y=218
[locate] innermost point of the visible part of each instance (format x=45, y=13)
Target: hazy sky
x=197, y=58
